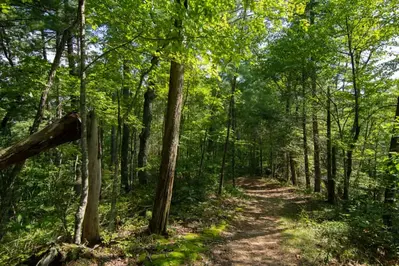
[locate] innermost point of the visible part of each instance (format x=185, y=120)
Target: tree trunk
x=49, y=84
x=292, y=168
x=331, y=186
x=390, y=190
x=125, y=132
x=64, y=130
x=261, y=157
x=78, y=177
x=203, y=150
x=91, y=227
x=287, y=167
x=149, y=96
x=355, y=127
x=170, y=143
x=226, y=143
x=85, y=160
x=305, y=135
x=125, y=158
x=115, y=192
x=330, y=189
x=133, y=166
x=233, y=127
x=317, y=171
x=313, y=76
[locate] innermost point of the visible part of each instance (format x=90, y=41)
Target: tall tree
x=79, y=216
x=163, y=196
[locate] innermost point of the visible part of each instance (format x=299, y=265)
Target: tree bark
x=91, y=228
x=163, y=197
x=79, y=216
x=149, y=96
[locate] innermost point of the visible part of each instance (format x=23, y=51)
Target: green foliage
x=325, y=234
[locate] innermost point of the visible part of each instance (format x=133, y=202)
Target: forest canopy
x=136, y=114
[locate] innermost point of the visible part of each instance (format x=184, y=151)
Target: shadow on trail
x=255, y=237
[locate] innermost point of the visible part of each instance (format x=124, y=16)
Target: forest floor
x=267, y=224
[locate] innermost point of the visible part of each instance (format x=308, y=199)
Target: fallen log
x=64, y=130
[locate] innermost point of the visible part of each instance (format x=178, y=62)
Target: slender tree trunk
x=125, y=158
x=78, y=177
x=91, y=227
x=125, y=132
x=292, y=168
x=163, y=197
x=83, y=115
x=316, y=156
x=149, y=96
x=44, y=53
x=233, y=127
x=261, y=156
x=355, y=127
x=331, y=185
x=49, y=84
x=203, y=150
x=330, y=189
x=305, y=135
x=113, y=140
x=287, y=167
x=226, y=143
x=313, y=77
x=133, y=166
x=115, y=192
x=391, y=184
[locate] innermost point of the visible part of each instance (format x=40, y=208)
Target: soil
x=256, y=237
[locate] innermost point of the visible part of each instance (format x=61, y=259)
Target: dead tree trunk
x=64, y=130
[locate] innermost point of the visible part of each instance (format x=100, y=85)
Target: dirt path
x=256, y=237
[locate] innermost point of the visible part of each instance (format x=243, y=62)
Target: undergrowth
x=325, y=234
x=196, y=221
